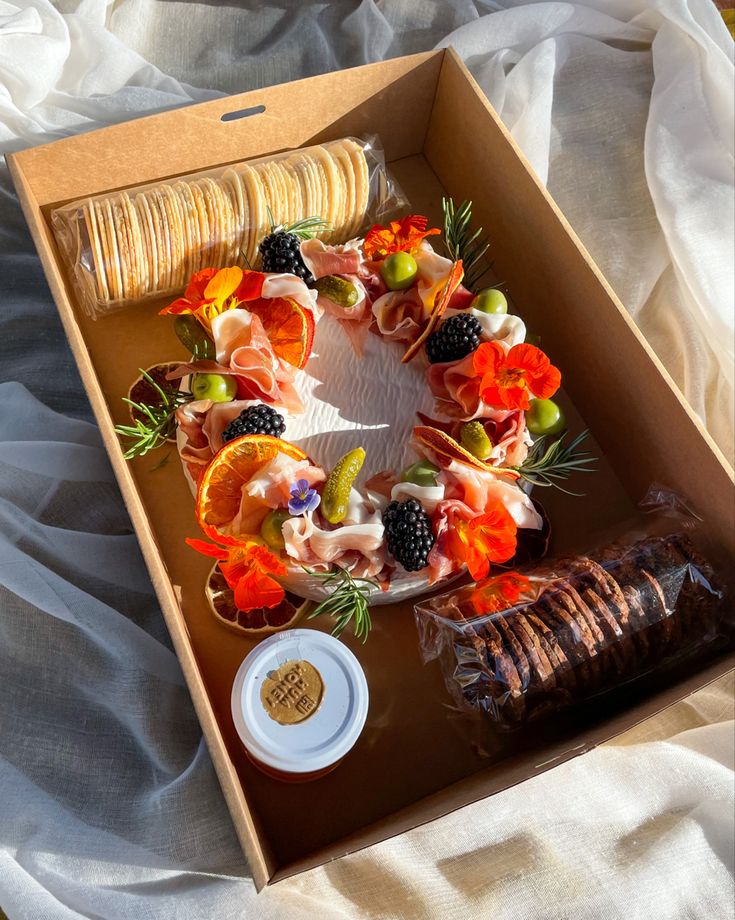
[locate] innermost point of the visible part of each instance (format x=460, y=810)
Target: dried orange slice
x=143, y=392
x=220, y=488
x=447, y=449
x=251, y=623
x=441, y=302
x=290, y=328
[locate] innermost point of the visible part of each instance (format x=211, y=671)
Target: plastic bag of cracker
x=524, y=644
x=146, y=242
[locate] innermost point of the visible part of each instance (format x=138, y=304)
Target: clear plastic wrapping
x=528, y=643
x=147, y=241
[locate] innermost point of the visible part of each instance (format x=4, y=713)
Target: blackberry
x=260, y=419
x=456, y=338
x=281, y=252
x=408, y=534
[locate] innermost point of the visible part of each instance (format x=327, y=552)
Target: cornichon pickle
x=338, y=290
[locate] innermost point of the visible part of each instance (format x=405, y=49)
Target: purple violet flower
x=303, y=498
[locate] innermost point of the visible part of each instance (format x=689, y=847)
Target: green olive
x=422, y=473
x=399, y=270
x=217, y=387
x=338, y=290
x=491, y=300
x=544, y=416
x=271, y=530
x=191, y=333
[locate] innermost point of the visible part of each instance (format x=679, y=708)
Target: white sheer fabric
x=108, y=803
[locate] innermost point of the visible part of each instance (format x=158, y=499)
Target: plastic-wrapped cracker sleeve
x=146, y=242
x=526, y=644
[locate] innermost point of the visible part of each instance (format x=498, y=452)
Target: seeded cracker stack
x=597, y=623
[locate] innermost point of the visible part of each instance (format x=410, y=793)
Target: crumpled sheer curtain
x=109, y=806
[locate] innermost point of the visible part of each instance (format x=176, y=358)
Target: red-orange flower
x=248, y=569
x=399, y=236
x=508, y=380
x=212, y=291
x=489, y=537
x=500, y=592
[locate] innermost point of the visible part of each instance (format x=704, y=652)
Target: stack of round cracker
x=152, y=241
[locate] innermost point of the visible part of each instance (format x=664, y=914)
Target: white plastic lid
x=328, y=732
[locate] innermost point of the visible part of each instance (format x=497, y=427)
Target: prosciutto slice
x=477, y=488
x=200, y=426
x=454, y=383
x=506, y=429
x=278, y=285
x=323, y=260
x=242, y=345
x=429, y=496
x=399, y=315
x=457, y=389
x=273, y=482
x=350, y=545
x=445, y=517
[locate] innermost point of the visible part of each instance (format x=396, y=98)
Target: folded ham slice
x=399, y=315
x=454, y=383
x=477, y=489
x=506, y=429
x=445, y=517
x=270, y=488
x=200, y=425
x=323, y=260
x=242, y=345
x=352, y=546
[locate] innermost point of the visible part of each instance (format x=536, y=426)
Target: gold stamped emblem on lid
x=292, y=693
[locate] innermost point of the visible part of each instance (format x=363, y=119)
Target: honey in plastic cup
x=299, y=704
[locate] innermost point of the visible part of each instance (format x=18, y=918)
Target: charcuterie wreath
x=282, y=530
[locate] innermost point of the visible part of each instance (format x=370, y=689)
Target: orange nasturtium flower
x=399, y=236
x=214, y=290
x=248, y=569
x=489, y=537
x=500, y=592
x=507, y=381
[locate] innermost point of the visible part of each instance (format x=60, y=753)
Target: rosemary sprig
x=158, y=423
x=304, y=229
x=544, y=466
x=347, y=602
x=462, y=242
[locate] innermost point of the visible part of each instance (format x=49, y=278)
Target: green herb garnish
x=462, y=242
x=304, y=229
x=158, y=423
x=544, y=466
x=347, y=602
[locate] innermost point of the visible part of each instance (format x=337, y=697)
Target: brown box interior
x=413, y=762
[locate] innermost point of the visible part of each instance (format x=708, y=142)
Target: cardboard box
x=411, y=764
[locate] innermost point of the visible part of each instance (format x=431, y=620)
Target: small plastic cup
x=299, y=704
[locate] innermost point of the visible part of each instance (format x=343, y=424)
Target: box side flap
x=506, y=774
x=568, y=302
x=261, y=861
x=391, y=99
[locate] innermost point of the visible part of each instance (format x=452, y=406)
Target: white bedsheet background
x=108, y=803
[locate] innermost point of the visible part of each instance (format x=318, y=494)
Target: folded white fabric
x=625, y=110
x=108, y=803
